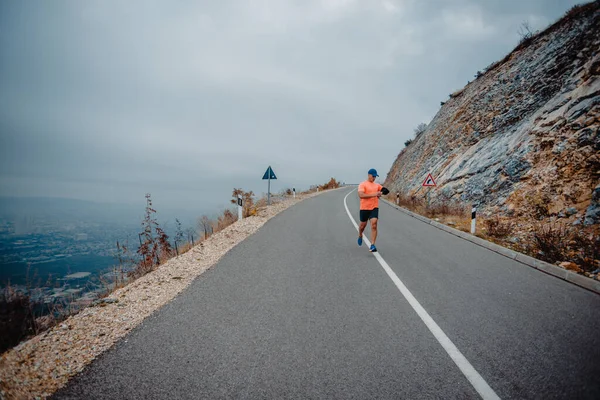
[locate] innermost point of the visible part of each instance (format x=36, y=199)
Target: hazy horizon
x=106, y=101
x=89, y=210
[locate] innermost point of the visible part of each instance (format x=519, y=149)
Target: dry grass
x=430, y=210
x=185, y=247
x=550, y=241
x=585, y=245
x=498, y=228
x=555, y=242
x=226, y=218
x=538, y=203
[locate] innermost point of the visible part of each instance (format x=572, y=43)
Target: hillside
x=523, y=138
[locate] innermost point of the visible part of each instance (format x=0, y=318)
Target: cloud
x=390, y=6
x=467, y=23
x=189, y=99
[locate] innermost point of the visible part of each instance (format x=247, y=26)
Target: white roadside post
x=473, y=219
x=240, y=203
x=294, y=190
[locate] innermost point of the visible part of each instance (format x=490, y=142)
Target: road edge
x=547, y=268
x=72, y=346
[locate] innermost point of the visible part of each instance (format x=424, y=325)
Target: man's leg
x=364, y=218
x=361, y=228
x=373, y=230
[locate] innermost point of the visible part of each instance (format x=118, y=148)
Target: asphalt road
x=298, y=310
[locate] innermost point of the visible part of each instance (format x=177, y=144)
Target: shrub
x=154, y=242
x=497, y=228
x=548, y=241
x=525, y=31
x=16, y=317
x=332, y=184
x=442, y=208
x=411, y=202
x=178, y=232
x=408, y=142
x=538, y=205
x=165, y=250
x=260, y=203
x=247, y=201
x=225, y=219
x=587, y=249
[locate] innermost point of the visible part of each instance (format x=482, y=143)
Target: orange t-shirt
x=369, y=188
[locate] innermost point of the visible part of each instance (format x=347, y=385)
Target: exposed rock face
x=592, y=215
x=525, y=132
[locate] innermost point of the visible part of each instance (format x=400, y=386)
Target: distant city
x=64, y=248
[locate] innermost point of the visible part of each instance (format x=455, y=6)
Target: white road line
x=480, y=385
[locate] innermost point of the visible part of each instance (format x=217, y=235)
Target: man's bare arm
x=363, y=195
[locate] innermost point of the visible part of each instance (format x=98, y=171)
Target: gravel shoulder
x=38, y=367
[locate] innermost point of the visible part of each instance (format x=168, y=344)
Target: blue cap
x=373, y=172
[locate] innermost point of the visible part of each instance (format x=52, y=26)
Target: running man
x=369, y=193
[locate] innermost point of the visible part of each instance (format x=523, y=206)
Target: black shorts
x=366, y=215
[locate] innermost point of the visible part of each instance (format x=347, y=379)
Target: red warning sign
x=429, y=181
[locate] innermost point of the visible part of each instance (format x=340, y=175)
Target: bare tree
x=148, y=249
x=525, y=31
x=153, y=239
x=205, y=224
x=125, y=260
x=178, y=232
x=420, y=129
x=191, y=234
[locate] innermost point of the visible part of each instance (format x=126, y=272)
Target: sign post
x=269, y=174
x=240, y=204
x=294, y=190
x=429, y=182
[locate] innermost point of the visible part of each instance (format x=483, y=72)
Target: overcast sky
x=108, y=100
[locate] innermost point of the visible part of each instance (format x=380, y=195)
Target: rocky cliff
x=522, y=138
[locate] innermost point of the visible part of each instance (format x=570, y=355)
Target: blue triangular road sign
x=269, y=174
